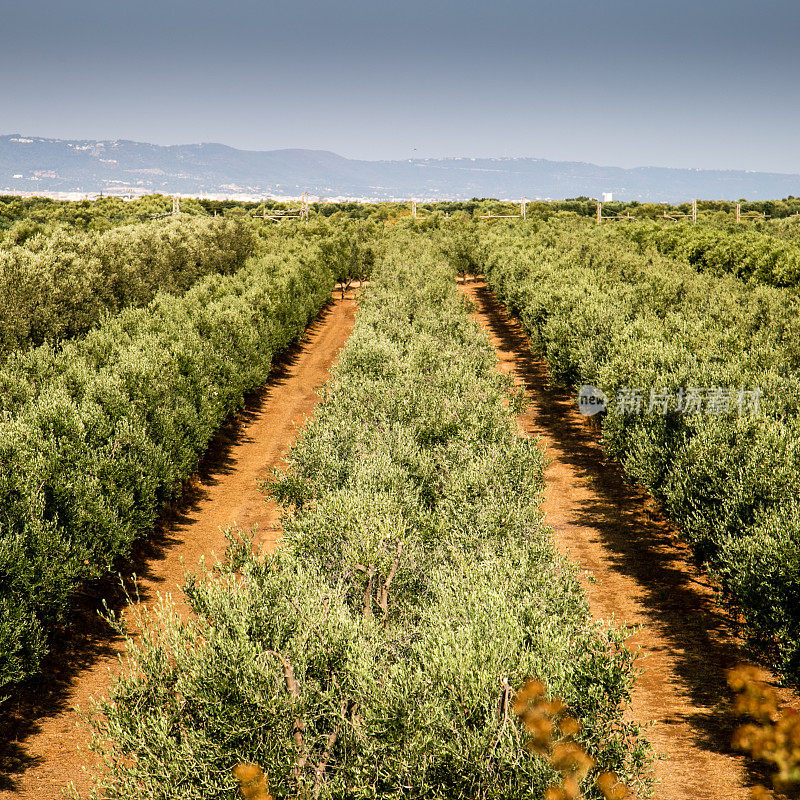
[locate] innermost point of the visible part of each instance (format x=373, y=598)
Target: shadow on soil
x=88, y=638
x=680, y=604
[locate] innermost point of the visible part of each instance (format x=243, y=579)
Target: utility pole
x=523, y=208
x=176, y=205
x=414, y=209
x=738, y=212
x=694, y=212
x=599, y=212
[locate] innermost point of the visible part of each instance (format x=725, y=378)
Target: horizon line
x=27, y=138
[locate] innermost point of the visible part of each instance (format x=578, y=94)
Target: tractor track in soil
x=43, y=745
x=635, y=572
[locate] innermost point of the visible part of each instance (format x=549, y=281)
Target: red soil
x=43, y=746
x=635, y=573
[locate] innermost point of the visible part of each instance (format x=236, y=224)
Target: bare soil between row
x=43, y=744
x=636, y=573
x=634, y=570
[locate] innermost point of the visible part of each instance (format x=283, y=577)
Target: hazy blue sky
x=709, y=83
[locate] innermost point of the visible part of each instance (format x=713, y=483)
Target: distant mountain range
x=47, y=166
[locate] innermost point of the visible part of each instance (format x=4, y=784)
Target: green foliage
x=348, y=249
x=96, y=433
x=748, y=254
x=57, y=284
x=460, y=244
x=369, y=655
x=90, y=215
x=606, y=315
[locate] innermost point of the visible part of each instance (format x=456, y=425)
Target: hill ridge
x=36, y=164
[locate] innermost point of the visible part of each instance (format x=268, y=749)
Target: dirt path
x=39, y=755
x=637, y=574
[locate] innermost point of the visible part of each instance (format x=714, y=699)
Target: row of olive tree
x=96, y=434
x=758, y=256
x=62, y=283
x=701, y=375
x=377, y=651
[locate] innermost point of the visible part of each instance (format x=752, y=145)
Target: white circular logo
x=591, y=401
